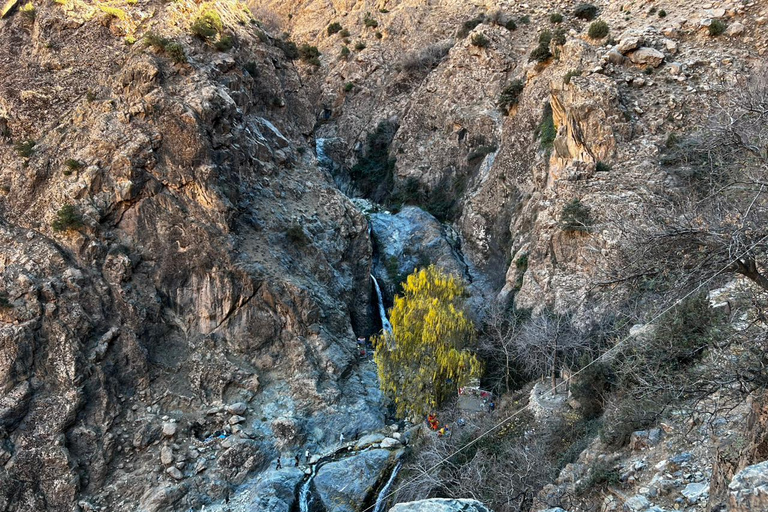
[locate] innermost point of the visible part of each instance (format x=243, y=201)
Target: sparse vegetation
x=25, y=149
x=716, y=28
x=422, y=61
x=4, y=302
x=28, y=11
x=540, y=54
x=576, y=216
x=378, y=35
x=510, y=95
x=468, y=26
x=572, y=73
x=602, y=167
x=290, y=50
x=525, y=20
x=662, y=13
x=73, y=165
x=480, y=41
x=207, y=25
x=510, y=25
x=374, y=170
x=598, y=30
x=369, y=21
x=225, y=43
x=334, y=28
x=556, y=17
x=348, y=87
x=296, y=235
x=360, y=46
x=68, y=217
x=547, y=130
x=559, y=37
x=171, y=48
x=586, y=12
x=309, y=54
x=344, y=53
x=344, y=33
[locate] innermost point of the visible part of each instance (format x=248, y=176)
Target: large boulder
x=647, y=57
x=344, y=484
x=749, y=489
x=440, y=505
x=410, y=239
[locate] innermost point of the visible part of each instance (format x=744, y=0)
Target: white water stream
x=381, y=499
x=386, y=326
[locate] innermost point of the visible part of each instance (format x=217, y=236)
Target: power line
x=596, y=360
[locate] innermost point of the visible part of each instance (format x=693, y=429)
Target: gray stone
x=636, y=503
x=647, y=57
x=237, y=408
x=629, y=42
x=443, y=505
x=360, y=473
x=169, y=429
x=675, y=68
x=748, y=490
x=166, y=455
x=695, y=491
x=275, y=491
x=734, y=29
x=368, y=440
x=389, y=443
x=614, y=56
x=175, y=473
x=234, y=420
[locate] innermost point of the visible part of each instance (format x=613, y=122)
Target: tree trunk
x=748, y=268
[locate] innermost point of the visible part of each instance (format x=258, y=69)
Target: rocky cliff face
x=215, y=264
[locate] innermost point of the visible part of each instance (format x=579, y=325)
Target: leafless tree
x=715, y=221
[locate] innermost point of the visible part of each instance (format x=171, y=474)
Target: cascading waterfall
x=304, y=492
x=386, y=326
x=382, y=498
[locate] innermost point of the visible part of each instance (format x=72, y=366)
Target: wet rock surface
x=440, y=505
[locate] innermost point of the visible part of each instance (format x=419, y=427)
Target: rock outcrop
x=749, y=489
x=440, y=505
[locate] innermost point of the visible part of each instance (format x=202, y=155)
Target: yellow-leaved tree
x=426, y=357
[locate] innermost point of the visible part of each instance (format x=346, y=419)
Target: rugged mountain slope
x=215, y=262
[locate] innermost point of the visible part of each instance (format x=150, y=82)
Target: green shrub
x=295, y=233
x=469, y=25
x=602, y=167
x=67, y=218
x=525, y=19
x=207, y=25
x=225, y=43
x=585, y=12
x=591, y=387
x=572, y=73
x=360, y=46
x=576, y=216
x=370, y=22
x=510, y=95
x=373, y=174
x=344, y=33
x=546, y=130
x=598, y=30
x=25, y=149
x=383, y=11
x=171, y=48
x=662, y=13
x=252, y=68
x=556, y=17
x=652, y=10
x=176, y=52
x=378, y=35
x=601, y=474
x=334, y=28
x=309, y=54
x=510, y=25
x=4, y=302
x=540, y=54
x=73, y=165
x=290, y=50
x=716, y=28
x=559, y=37
x=344, y=53
x=349, y=86
x=480, y=41
x=545, y=37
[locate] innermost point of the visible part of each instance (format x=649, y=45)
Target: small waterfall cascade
x=386, y=326
x=383, y=497
x=304, y=493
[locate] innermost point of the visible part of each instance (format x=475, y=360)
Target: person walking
x=279, y=465
x=297, y=459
